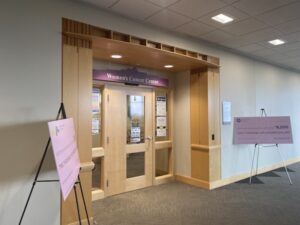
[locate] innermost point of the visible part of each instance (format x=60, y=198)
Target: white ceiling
x=255, y=23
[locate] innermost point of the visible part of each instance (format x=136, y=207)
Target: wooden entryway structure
x=81, y=44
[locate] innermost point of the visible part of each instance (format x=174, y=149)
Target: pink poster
x=63, y=139
x=262, y=130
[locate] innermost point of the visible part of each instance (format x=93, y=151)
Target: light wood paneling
x=193, y=181
x=84, y=103
x=70, y=82
x=76, y=95
x=164, y=179
x=97, y=195
x=117, y=149
x=200, y=164
x=138, y=51
x=163, y=144
x=199, y=108
x=116, y=138
x=205, y=125
x=98, y=152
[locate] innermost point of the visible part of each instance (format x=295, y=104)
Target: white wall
x=30, y=93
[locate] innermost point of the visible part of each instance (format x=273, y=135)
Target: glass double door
x=129, y=118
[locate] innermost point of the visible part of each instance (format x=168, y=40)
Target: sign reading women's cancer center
x=63, y=139
x=130, y=76
x=262, y=130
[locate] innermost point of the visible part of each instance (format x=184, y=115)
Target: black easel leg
x=60, y=111
x=86, y=212
x=77, y=204
x=27, y=203
x=35, y=179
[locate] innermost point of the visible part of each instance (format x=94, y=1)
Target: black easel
x=61, y=112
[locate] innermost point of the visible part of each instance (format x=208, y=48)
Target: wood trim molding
x=229, y=180
x=84, y=222
x=86, y=167
x=192, y=181
x=85, y=35
x=233, y=179
x=164, y=179
x=98, y=152
x=97, y=194
x=163, y=145
x=204, y=147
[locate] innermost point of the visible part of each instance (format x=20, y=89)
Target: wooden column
x=77, y=59
x=205, y=125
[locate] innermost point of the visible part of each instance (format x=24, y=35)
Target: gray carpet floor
x=272, y=202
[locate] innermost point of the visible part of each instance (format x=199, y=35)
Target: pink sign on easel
x=63, y=139
x=262, y=130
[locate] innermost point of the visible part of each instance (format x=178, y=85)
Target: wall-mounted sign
x=226, y=112
x=63, y=139
x=262, y=130
x=161, y=106
x=161, y=126
x=96, y=100
x=130, y=76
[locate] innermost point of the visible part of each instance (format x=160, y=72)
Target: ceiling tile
x=278, y=57
x=101, y=4
x=262, y=35
x=244, y=27
x=256, y=7
x=163, y=3
x=216, y=36
x=290, y=27
x=291, y=37
x=236, y=42
x=293, y=53
x=196, y=8
x=292, y=61
x=195, y=28
x=264, y=52
x=282, y=14
x=288, y=46
x=135, y=9
x=168, y=19
x=251, y=48
x=236, y=14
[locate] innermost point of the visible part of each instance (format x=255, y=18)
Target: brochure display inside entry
x=161, y=116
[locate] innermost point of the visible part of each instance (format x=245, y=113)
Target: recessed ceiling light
x=168, y=66
x=116, y=56
x=221, y=18
x=277, y=42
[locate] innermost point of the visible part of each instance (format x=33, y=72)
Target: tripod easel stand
x=36, y=180
x=257, y=147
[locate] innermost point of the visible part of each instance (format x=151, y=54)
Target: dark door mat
x=282, y=169
x=269, y=174
x=254, y=180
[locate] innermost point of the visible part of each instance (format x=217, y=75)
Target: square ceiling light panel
x=277, y=42
x=221, y=18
